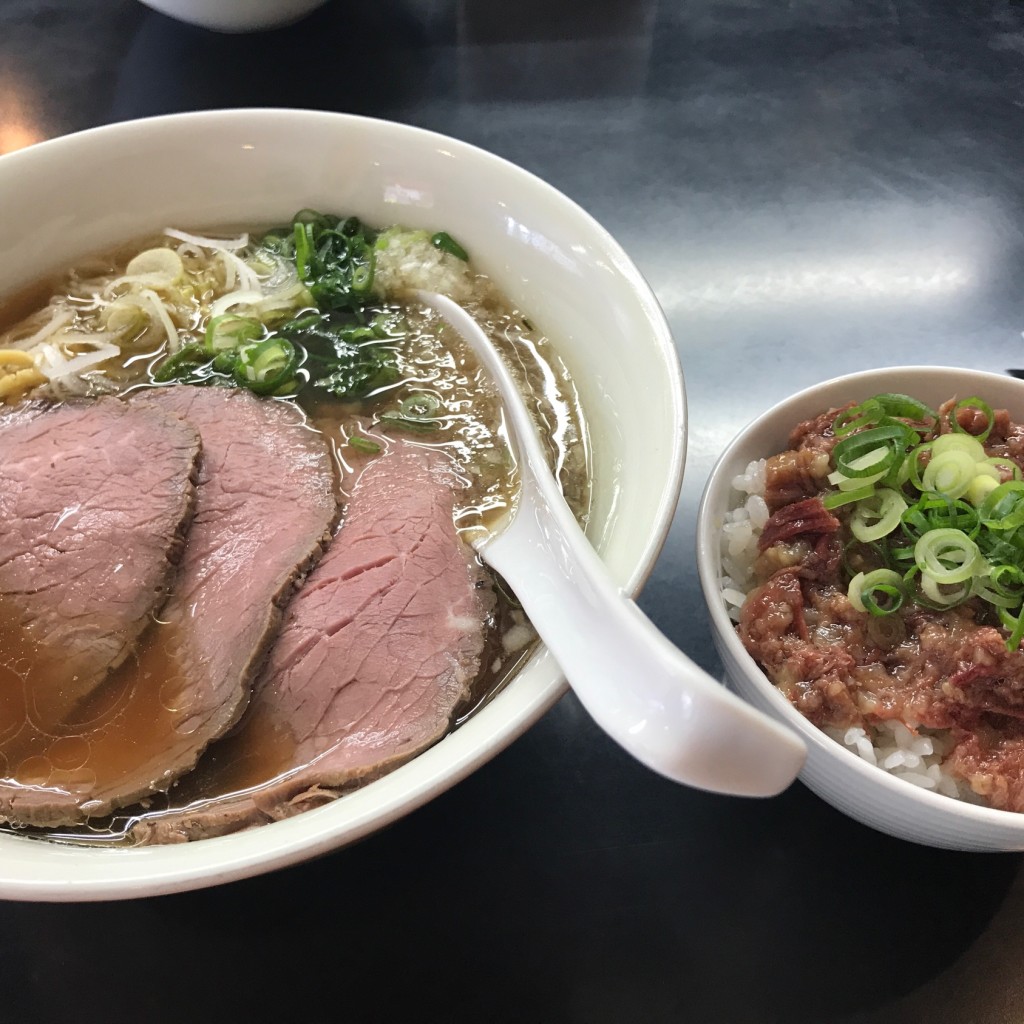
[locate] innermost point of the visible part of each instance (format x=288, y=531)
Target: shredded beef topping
x=794, y=475
x=943, y=670
x=802, y=517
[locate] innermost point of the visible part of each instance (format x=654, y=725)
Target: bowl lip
x=131, y=873
x=714, y=502
x=255, y=15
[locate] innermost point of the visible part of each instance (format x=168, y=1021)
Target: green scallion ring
x=836, y=499
x=362, y=275
x=879, y=592
x=1015, y=624
x=266, y=366
x=847, y=453
x=1003, y=508
x=419, y=405
x=959, y=442
x=877, y=516
x=949, y=473
x=947, y=556
x=906, y=407
x=945, y=595
x=972, y=403
x=937, y=512
x=363, y=445
x=443, y=241
x=1005, y=465
x=227, y=332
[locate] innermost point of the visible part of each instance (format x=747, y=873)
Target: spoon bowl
x=642, y=690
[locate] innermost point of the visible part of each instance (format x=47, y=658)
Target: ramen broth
x=130, y=708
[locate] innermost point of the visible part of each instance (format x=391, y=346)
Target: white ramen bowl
x=81, y=194
x=835, y=773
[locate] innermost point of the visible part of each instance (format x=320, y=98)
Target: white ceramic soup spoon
x=644, y=692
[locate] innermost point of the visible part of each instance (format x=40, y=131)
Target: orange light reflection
x=18, y=127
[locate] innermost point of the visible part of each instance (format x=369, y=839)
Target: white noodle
x=229, y=269
x=231, y=244
x=56, y=366
x=237, y=298
x=60, y=319
x=191, y=251
x=155, y=306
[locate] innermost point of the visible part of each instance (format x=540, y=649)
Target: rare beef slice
x=264, y=508
x=95, y=498
x=377, y=649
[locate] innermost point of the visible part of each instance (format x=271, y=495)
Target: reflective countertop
x=812, y=187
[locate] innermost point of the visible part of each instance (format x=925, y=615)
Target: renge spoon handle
x=642, y=690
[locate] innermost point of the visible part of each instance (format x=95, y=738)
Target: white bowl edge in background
x=74, y=196
x=236, y=15
x=833, y=772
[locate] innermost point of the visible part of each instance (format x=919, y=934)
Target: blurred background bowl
x=835, y=773
x=236, y=15
x=82, y=194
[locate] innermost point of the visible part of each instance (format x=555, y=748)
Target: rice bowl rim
x=715, y=503
x=52, y=872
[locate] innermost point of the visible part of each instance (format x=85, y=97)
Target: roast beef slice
x=265, y=506
x=377, y=650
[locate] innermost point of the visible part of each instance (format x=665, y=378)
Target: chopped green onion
x=880, y=592
x=949, y=473
x=885, y=409
x=182, y=362
x=858, y=557
x=363, y=445
x=362, y=275
x=1005, y=465
x=937, y=512
x=416, y=413
x=419, y=405
x=978, y=405
x=870, y=460
x=877, y=516
x=957, y=442
x=906, y=407
x=980, y=488
x=358, y=334
x=1015, y=624
x=893, y=438
x=229, y=331
x=1003, y=509
x=1002, y=586
x=947, y=556
x=859, y=417
x=304, y=248
x=839, y=498
x=410, y=423
x=266, y=366
x=945, y=595
x=388, y=325
x=443, y=241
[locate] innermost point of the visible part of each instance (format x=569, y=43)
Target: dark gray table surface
x=812, y=187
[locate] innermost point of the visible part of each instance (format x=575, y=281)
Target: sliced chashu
x=378, y=648
x=95, y=498
x=265, y=506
